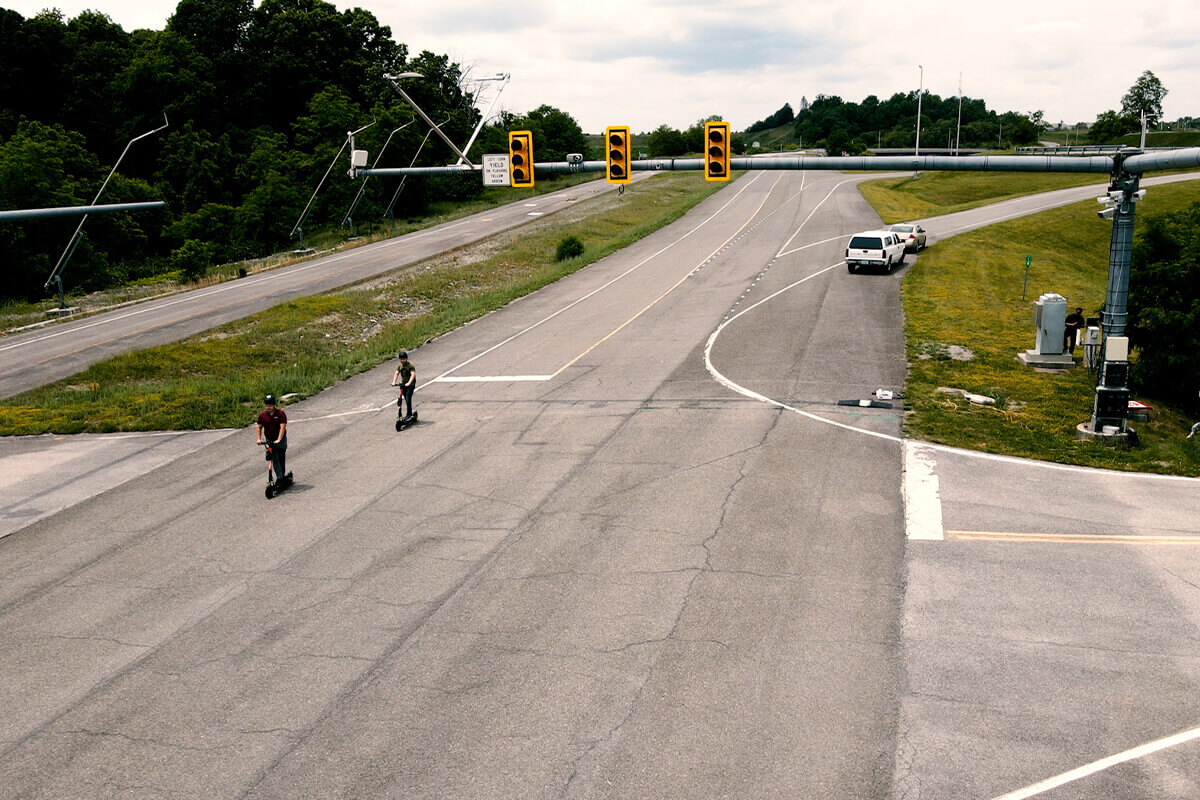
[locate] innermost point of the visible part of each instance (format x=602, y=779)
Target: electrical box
x=1111, y=410
x=1050, y=317
x=1115, y=373
x=1116, y=348
x=358, y=158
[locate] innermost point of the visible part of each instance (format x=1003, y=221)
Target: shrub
x=192, y=259
x=568, y=247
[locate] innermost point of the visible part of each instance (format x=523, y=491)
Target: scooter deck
x=405, y=422
x=279, y=485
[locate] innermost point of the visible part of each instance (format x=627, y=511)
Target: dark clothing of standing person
x=406, y=379
x=272, y=428
x=1075, y=323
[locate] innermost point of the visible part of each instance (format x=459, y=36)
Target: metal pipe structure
x=75, y=211
x=1110, y=410
x=395, y=79
x=396, y=196
x=363, y=186
x=504, y=78
x=1088, y=164
x=300, y=219
x=73, y=242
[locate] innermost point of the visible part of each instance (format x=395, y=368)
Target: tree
x=1110, y=126
x=1164, y=307
x=556, y=133
x=1145, y=96
x=665, y=141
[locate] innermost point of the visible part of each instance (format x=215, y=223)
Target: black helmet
x=402, y=354
x=269, y=400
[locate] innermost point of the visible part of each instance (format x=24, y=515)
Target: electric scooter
x=275, y=485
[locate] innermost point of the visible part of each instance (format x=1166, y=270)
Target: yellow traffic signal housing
x=520, y=159
x=617, y=163
x=716, y=151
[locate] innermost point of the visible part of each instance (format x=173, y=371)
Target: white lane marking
x=490, y=378
x=783, y=251
x=679, y=283
x=599, y=289
x=742, y=390
x=1102, y=764
x=534, y=214
x=922, y=494
x=720, y=378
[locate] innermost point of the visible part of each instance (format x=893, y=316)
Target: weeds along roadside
x=217, y=379
x=966, y=291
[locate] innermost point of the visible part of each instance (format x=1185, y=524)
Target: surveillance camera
x=574, y=158
x=1106, y=213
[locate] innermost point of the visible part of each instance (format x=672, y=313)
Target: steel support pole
x=1110, y=408
x=74, y=240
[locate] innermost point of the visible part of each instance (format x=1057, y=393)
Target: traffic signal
x=616, y=140
x=520, y=159
x=716, y=151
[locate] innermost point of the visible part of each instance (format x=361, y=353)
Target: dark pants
x=1069, y=340
x=406, y=393
x=277, y=455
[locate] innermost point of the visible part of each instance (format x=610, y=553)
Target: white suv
x=874, y=249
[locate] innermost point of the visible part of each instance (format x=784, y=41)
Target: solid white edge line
x=922, y=494
x=1102, y=764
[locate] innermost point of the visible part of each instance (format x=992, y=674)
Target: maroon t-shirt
x=271, y=422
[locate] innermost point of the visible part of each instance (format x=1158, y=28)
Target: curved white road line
x=742, y=390
x=1102, y=764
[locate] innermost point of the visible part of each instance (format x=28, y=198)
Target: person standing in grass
x=406, y=379
x=1075, y=323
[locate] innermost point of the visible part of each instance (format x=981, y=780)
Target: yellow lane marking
x=1073, y=538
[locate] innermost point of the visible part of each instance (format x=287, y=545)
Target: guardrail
x=1081, y=149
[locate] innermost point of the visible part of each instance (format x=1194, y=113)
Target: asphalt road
x=634, y=548
x=43, y=355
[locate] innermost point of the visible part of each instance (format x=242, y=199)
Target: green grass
x=303, y=346
x=937, y=193
x=966, y=291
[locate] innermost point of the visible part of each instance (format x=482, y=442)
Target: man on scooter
x=272, y=428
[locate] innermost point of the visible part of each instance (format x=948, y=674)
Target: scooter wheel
x=400, y=424
x=270, y=492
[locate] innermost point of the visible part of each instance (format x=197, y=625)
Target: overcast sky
x=643, y=63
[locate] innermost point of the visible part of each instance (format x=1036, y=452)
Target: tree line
x=853, y=128
x=259, y=101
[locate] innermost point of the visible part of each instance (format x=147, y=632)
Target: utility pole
x=1111, y=407
x=296, y=229
x=920, y=91
x=73, y=242
x=958, y=131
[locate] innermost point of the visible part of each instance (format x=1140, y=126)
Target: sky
x=644, y=63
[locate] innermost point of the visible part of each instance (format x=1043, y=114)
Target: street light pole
x=395, y=79
x=920, y=91
x=363, y=186
x=73, y=242
x=504, y=78
x=296, y=228
x=958, y=130
x=403, y=178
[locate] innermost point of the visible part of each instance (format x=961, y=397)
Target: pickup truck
x=874, y=249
